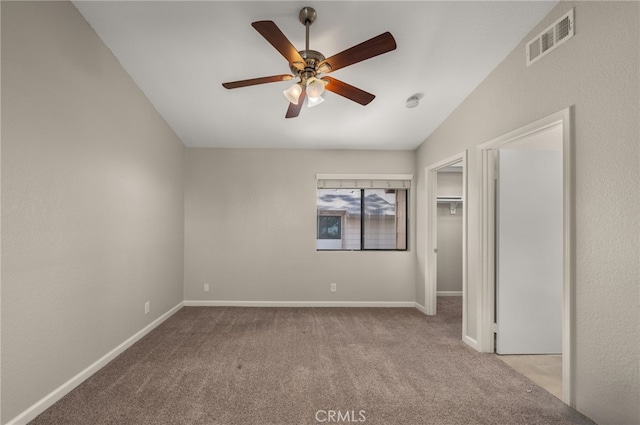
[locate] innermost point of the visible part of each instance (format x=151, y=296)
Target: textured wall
x=92, y=203
x=251, y=229
x=598, y=71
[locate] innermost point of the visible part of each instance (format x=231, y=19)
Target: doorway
x=449, y=223
x=446, y=184
x=556, y=130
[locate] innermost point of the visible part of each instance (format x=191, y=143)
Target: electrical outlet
x=206, y=287
x=333, y=287
x=147, y=307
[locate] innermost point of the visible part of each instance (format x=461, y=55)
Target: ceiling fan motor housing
x=312, y=58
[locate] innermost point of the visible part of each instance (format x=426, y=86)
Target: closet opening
x=446, y=251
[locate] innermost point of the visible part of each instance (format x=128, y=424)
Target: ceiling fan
x=307, y=65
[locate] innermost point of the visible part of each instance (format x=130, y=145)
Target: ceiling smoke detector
x=413, y=101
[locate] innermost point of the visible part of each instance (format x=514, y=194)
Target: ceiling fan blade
x=270, y=31
x=366, y=50
x=294, y=110
x=347, y=90
x=255, y=81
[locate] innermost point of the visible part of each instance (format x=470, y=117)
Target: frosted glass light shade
x=315, y=87
x=314, y=101
x=293, y=93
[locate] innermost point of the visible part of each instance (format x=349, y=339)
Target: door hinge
x=495, y=328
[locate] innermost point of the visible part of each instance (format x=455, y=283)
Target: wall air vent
x=550, y=38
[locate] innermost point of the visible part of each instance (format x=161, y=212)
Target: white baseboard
x=220, y=303
x=64, y=389
x=421, y=308
x=449, y=293
x=471, y=342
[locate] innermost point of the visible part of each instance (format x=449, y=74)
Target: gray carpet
x=226, y=365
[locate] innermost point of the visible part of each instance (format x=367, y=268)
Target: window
x=329, y=227
x=351, y=217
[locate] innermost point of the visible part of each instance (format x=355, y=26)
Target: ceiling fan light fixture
x=314, y=101
x=315, y=87
x=293, y=93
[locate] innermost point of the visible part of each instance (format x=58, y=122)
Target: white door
x=529, y=237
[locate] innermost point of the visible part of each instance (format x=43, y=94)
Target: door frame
x=430, y=272
x=486, y=158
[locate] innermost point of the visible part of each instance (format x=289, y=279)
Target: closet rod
x=449, y=198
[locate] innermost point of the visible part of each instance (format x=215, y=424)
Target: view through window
x=362, y=219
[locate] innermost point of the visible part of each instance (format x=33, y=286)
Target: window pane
x=380, y=222
x=339, y=213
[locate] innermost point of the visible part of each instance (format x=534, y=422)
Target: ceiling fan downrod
x=312, y=58
x=307, y=16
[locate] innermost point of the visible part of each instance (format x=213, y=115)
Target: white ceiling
x=180, y=52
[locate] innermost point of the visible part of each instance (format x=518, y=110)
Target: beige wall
x=251, y=229
x=598, y=72
x=92, y=203
x=449, y=183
